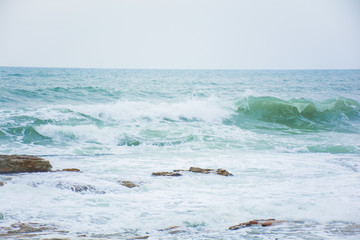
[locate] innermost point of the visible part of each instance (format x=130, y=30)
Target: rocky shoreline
x=14, y=164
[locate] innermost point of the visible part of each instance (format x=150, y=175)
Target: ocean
x=291, y=139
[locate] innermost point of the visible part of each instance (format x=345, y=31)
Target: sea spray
x=290, y=139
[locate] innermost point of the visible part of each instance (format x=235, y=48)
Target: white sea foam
x=209, y=109
x=305, y=175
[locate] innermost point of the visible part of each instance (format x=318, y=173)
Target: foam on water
x=293, y=151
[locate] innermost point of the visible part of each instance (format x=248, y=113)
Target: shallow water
x=290, y=138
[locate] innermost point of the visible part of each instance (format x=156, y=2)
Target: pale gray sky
x=202, y=34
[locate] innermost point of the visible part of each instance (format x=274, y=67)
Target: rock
x=176, y=173
x=70, y=170
x=28, y=228
x=2, y=183
x=223, y=172
x=169, y=228
x=240, y=225
x=200, y=170
x=23, y=163
x=177, y=231
x=128, y=184
x=171, y=174
x=174, y=230
x=142, y=237
x=83, y=188
x=79, y=188
x=219, y=171
x=56, y=239
x=262, y=222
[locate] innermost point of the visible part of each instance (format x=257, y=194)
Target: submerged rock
x=169, y=228
x=261, y=222
x=170, y=174
x=128, y=184
x=176, y=173
x=223, y=172
x=219, y=171
x=27, y=228
x=173, y=229
x=56, y=239
x=141, y=237
x=83, y=188
x=23, y=163
x=79, y=188
x=200, y=170
x=70, y=170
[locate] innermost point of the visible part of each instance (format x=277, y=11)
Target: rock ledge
x=23, y=163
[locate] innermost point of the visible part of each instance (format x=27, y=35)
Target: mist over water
x=290, y=138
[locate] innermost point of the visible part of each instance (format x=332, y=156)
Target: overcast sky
x=201, y=34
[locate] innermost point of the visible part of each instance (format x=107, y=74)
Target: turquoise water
x=291, y=139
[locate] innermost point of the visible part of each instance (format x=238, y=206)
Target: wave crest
x=332, y=114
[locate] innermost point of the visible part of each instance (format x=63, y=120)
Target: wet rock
x=261, y=222
x=28, y=228
x=177, y=231
x=219, y=171
x=79, y=188
x=128, y=184
x=173, y=229
x=169, y=228
x=56, y=239
x=23, y=163
x=170, y=174
x=141, y=237
x=223, y=172
x=2, y=183
x=201, y=170
x=70, y=170
x=176, y=173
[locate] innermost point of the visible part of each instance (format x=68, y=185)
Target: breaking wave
x=339, y=114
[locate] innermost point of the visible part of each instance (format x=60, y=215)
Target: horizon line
x=184, y=69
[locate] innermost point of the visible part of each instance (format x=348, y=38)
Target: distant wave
x=338, y=114
x=54, y=94
x=244, y=122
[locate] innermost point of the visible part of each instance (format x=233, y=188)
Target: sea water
x=291, y=139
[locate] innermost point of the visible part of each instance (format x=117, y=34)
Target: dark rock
x=177, y=231
x=142, y=237
x=56, y=239
x=2, y=183
x=200, y=170
x=171, y=174
x=84, y=188
x=128, y=184
x=173, y=230
x=169, y=228
x=23, y=163
x=261, y=222
x=79, y=188
x=28, y=228
x=223, y=172
x=70, y=170
x=219, y=171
